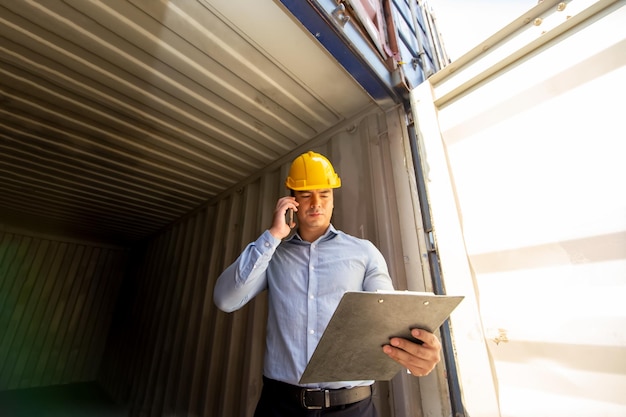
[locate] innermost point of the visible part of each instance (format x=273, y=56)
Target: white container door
x=524, y=152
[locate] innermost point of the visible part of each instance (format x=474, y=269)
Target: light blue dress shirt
x=305, y=282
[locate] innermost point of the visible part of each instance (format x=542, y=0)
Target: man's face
x=315, y=208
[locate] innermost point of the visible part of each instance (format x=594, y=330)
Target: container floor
x=73, y=400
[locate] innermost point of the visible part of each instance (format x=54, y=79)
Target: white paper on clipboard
x=351, y=347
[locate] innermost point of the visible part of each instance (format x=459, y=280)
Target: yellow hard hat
x=312, y=171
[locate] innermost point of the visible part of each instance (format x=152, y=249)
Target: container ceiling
x=117, y=118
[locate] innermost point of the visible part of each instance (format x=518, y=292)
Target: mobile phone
x=289, y=217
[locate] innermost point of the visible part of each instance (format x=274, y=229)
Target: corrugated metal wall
x=119, y=117
x=171, y=352
x=56, y=302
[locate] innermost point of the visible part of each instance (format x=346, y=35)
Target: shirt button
x=312, y=331
x=311, y=296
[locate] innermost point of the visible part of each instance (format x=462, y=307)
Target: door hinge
x=430, y=241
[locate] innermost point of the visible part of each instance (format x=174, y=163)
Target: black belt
x=318, y=398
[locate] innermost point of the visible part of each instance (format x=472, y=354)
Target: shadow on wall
x=72, y=400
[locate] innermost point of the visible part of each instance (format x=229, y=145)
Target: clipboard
x=351, y=347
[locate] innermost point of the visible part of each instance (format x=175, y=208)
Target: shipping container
x=143, y=144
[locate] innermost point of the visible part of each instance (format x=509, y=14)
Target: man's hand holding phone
x=284, y=217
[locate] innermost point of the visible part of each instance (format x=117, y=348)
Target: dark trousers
x=274, y=403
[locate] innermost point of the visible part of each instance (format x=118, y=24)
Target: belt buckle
x=315, y=407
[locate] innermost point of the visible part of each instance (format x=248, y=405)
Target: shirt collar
x=330, y=233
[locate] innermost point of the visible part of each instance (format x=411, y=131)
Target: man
x=305, y=276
